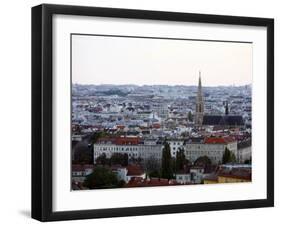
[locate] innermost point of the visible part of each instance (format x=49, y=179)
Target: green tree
x=152, y=167
x=228, y=156
x=102, y=160
x=167, y=167
x=119, y=159
x=180, y=160
x=154, y=173
x=83, y=153
x=248, y=161
x=97, y=135
x=203, y=161
x=101, y=178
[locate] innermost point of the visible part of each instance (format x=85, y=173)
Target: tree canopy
x=203, y=161
x=152, y=167
x=83, y=153
x=102, y=160
x=167, y=167
x=119, y=159
x=115, y=159
x=228, y=156
x=96, y=135
x=181, y=161
x=101, y=178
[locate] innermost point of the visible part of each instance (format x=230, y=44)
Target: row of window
x=183, y=177
x=135, y=154
x=174, y=143
x=134, y=148
x=203, y=152
x=205, y=146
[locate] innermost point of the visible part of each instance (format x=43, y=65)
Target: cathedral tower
x=199, y=105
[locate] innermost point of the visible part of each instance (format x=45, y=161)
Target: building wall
x=183, y=178
x=206, y=181
x=133, y=151
x=222, y=179
x=197, y=175
x=213, y=151
x=244, y=154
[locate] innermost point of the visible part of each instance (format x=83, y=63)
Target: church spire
x=199, y=104
x=200, y=85
x=226, y=108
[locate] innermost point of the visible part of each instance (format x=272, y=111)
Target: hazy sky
x=121, y=60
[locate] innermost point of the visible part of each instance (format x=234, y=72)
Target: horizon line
x=128, y=84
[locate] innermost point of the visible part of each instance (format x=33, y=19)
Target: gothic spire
x=199, y=85
x=199, y=114
x=226, y=108
x=199, y=89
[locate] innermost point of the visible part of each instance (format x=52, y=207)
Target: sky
x=142, y=61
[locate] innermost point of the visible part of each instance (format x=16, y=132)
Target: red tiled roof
x=127, y=140
x=134, y=170
x=218, y=140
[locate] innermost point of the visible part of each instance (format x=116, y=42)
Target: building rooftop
x=134, y=170
x=236, y=173
x=119, y=140
x=223, y=120
x=219, y=140
x=239, y=172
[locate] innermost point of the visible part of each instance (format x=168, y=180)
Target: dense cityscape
x=160, y=135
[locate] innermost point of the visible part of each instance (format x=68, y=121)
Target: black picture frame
x=42, y=111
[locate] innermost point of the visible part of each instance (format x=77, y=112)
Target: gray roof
x=229, y=120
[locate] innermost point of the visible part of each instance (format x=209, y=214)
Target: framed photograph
x=140, y=112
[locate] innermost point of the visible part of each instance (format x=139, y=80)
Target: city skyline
x=131, y=136
x=143, y=61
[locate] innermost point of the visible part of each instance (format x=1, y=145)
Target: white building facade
x=213, y=149
x=133, y=148
x=244, y=154
x=175, y=145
